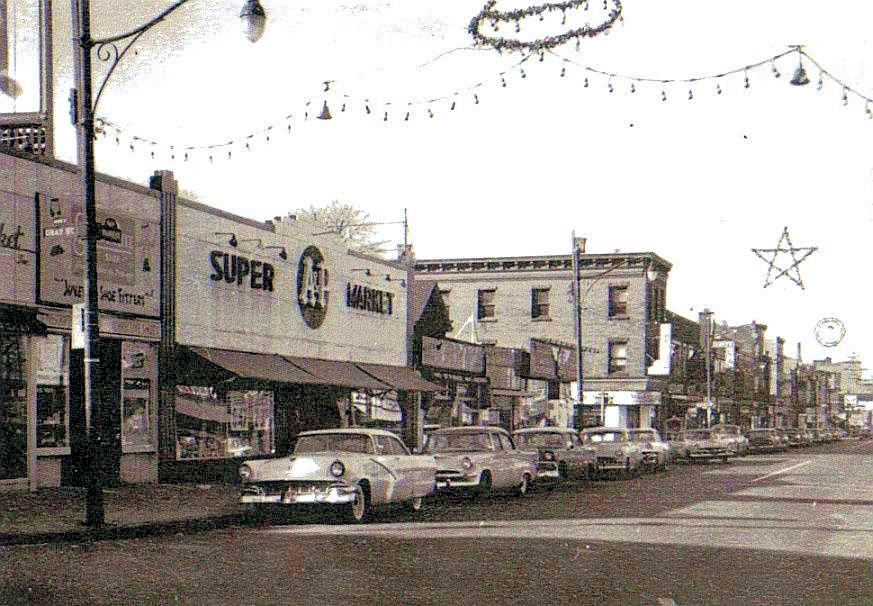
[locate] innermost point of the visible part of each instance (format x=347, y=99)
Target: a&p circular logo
x=829, y=332
x=312, y=287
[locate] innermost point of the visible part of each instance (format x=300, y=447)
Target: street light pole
x=253, y=19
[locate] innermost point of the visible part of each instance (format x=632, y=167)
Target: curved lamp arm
x=252, y=12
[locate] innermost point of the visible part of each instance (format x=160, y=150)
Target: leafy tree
x=352, y=224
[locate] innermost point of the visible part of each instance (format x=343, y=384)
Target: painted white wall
x=217, y=314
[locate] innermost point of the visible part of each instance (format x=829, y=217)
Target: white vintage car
x=354, y=468
x=480, y=459
x=656, y=452
x=616, y=452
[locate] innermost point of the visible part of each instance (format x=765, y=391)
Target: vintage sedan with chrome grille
x=656, y=452
x=354, y=468
x=560, y=455
x=701, y=445
x=616, y=451
x=480, y=459
x=735, y=435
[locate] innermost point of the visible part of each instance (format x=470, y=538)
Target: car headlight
x=245, y=472
x=467, y=463
x=337, y=469
x=548, y=456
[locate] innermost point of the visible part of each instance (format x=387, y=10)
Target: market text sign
x=369, y=299
x=128, y=257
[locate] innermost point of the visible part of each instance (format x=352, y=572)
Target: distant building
x=527, y=303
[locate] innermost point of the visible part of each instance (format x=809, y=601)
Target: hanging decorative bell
x=325, y=112
x=799, y=78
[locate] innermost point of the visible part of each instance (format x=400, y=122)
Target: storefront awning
x=17, y=319
x=245, y=365
x=334, y=372
x=399, y=377
x=203, y=411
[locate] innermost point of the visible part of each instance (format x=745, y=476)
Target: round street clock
x=829, y=332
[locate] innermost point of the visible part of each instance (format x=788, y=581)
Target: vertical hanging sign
x=77, y=332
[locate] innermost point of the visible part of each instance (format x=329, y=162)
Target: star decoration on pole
x=792, y=251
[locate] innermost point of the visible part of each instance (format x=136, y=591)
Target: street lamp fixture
x=232, y=241
x=82, y=113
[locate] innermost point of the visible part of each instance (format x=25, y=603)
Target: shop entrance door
x=13, y=412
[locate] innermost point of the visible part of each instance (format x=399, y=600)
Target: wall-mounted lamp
x=651, y=272
x=366, y=271
x=283, y=254
x=232, y=241
x=258, y=240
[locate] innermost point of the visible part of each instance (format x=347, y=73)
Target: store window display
x=51, y=371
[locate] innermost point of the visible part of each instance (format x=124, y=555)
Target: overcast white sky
x=700, y=182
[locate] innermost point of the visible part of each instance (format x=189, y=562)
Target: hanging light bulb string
x=177, y=152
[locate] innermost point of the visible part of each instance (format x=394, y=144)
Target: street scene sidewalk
x=57, y=514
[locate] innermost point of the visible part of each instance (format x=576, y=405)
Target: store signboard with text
x=128, y=257
x=17, y=248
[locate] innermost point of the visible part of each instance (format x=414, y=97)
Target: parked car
x=616, y=452
x=560, y=454
x=865, y=433
x=480, y=459
x=656, y=452
x=797, y=437
x=354, y=468
x=701, y=445
x=735, y=436
x=783, y=436
x=814, y=435
x=766, y=440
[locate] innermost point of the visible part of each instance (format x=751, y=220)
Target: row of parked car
x=360, y=468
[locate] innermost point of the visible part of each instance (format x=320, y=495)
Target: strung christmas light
x=502, y=81
x=563, y=71
x=542, y=55
x=845, y=96
x=429, y=113
x=475, y=99
x=343, y=108
x=564, y=17
x=746, y=79
x=517, y=26
x=775, y=71
x=585, y=84
x=690, y=94
x=367, y=107
x=663, y=95
x=609, y=86
x=868, y=111
x=633, y=88
x=717, y=88
x=453, y=106
x=523, y=75
x=385, y=119
x=228, y=154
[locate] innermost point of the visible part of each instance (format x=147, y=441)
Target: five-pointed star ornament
x=791, y=250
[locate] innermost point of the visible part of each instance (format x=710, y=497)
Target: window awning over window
x=399, y=377
x=334, y=372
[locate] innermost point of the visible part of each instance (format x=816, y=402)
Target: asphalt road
x=793, y=528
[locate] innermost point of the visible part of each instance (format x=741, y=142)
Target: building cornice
x=541, y=263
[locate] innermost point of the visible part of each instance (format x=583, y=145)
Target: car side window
x=395, y=447
x=381, y=447
x=495, y=439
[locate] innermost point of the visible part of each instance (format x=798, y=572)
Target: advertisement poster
x=128, y=257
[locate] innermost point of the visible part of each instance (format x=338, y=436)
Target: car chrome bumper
x=335, y=495
x=456, y=481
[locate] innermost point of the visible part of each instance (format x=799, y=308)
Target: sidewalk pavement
x=131, y=511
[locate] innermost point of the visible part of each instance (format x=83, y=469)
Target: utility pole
x=578, y=247
x=708, y=348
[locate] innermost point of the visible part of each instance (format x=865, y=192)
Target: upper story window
x=617, y=301
x=485, y=305
x=539, y=303
x=617, y=357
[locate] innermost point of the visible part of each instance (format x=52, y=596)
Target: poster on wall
x=128, y=257
x=138, y=378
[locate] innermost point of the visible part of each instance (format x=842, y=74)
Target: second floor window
x=485, y=305
x=617, y=357
x=539, y=303
x=617, y=301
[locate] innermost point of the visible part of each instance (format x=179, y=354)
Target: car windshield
x=333, y=442
x=541, y=438
x=603, y=436
x=698, y=434
x=458, y=442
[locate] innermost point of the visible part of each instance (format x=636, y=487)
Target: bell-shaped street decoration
x=325, y=113
x=799, y=78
